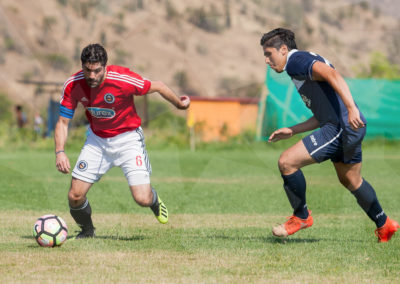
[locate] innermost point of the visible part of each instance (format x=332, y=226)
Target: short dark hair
x=277, y=37
x=94, y=53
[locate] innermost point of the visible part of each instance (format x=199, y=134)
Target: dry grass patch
x=150, y=266
x=197, y=248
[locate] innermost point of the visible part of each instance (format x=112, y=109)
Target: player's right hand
x=62, y=163
x=282, y=133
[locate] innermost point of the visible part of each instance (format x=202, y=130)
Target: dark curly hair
x=94, y=53
x=277, y=37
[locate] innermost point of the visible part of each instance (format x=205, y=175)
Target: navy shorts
x=335, y=143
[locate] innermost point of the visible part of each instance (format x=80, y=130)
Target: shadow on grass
x=32, y=237
x=258, y=239
x=110, y=237
x=34, y=243
x=277, y=240
x=272, y=239
x=122, y=238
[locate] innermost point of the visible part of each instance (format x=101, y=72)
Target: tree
x=379, y=67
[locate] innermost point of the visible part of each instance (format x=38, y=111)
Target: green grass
x=222, y=206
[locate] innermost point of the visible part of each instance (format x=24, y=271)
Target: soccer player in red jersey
x=115, y=137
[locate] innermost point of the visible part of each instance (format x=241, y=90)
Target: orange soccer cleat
x=386, y=232
x=292, y=225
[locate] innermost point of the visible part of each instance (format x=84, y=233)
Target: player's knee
x=344, y=181
x=75, y=199
x=143, y=198
x=350, y=183
x=284, y=164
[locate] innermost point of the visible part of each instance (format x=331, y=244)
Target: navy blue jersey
x=319, y=97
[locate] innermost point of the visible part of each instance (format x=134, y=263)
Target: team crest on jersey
x=101, y=112
x=306, y=100
x=109, y=98
x=82, y=165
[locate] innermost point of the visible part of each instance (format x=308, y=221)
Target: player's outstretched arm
x=287, y=132
x=60, y=137
x=323, y=72
x=181, y=102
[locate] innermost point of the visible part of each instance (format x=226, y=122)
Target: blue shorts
x=328, y=143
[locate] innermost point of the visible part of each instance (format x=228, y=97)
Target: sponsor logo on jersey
x=306, y=100
x=101, y=112
x=84, y=99
x=82, y=165
x=313, y=140
x=109, y=98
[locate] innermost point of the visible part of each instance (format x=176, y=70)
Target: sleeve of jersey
x=146, y=87
x=300, y=65
x=140, y=86
x=67, y=104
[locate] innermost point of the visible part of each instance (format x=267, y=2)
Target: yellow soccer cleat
x=160, y=211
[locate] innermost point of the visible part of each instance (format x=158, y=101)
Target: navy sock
x=295, y=188
x=82, y=215
x=366, y=198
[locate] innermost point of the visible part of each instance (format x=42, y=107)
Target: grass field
x=222, y=206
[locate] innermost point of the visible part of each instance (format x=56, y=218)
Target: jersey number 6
x=139, y=161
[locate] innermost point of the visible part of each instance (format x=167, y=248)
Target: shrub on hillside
x=208, y=20
x=5, y=109
x=379, y=67
x=171, y=12
x=57, y=61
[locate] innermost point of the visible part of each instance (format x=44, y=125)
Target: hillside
x=208, y=48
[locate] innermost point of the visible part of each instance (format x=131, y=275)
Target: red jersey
x=110, y=107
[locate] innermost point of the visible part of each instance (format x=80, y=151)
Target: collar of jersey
x=288, y=56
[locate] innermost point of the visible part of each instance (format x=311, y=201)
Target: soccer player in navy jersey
x=115, y=137
x=340, y=126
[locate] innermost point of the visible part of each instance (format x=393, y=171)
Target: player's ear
x=284, y=49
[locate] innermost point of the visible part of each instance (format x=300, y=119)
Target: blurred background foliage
x=212, y=49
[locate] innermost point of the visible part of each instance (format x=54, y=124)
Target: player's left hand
x=355, y=120
x=184, y=102
x=282, y=133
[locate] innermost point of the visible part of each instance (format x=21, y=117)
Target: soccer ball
x=50, y=231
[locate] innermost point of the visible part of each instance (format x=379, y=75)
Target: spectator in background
x=21, y=116
x=37, y=124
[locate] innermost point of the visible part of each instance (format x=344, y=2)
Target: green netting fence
x=378, y=99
